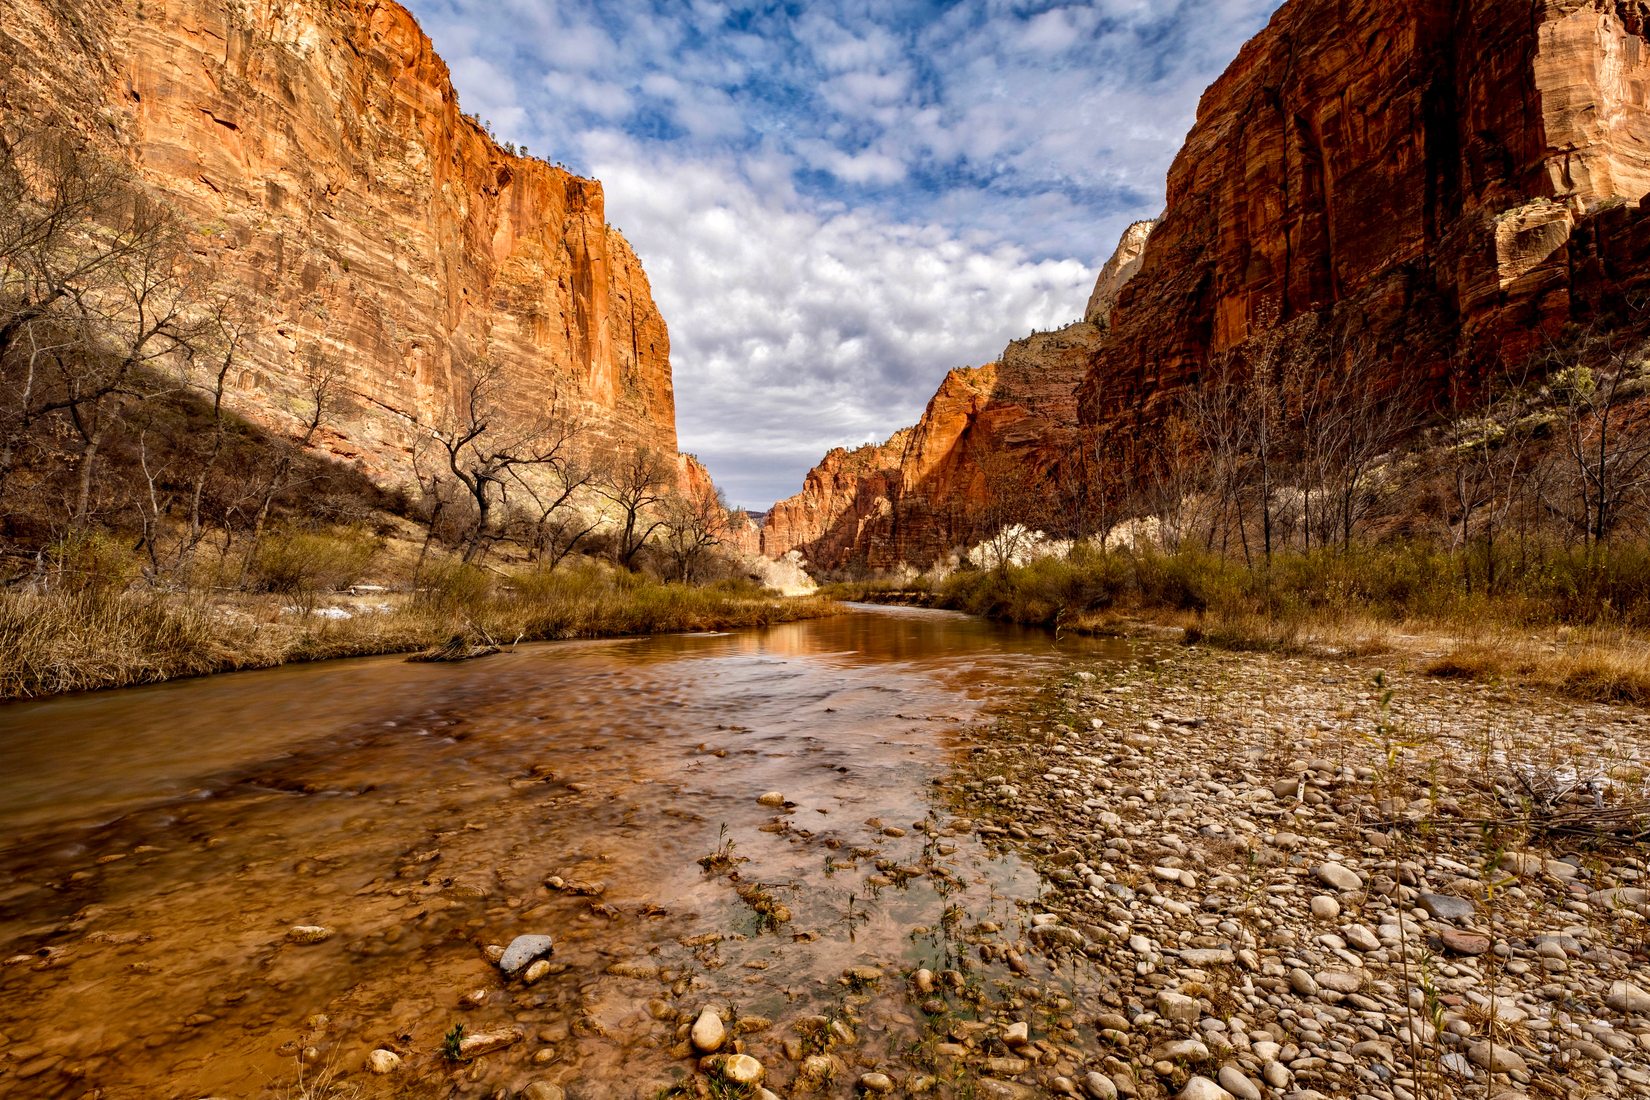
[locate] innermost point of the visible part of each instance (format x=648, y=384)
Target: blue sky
x=838, y=201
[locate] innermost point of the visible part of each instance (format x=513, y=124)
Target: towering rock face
x=1414, y=171
x=1394, y=185
x=318, y=151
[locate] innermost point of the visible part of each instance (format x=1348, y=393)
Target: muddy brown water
x=159, y=843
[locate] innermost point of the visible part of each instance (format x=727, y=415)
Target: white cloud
x=794, y=331
x=836, y=207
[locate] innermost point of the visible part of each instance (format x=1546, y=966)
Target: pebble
x=708, y=1032
x=1497, y=1058
x=1339, y=877
x=1360, y=937
x=1178, y=1006
x=741, y=1069
x=1325, y=907
x=1099, y=1086
x=1447, y=907
x=383, y=1061
x=1626, y=997
x=486, y=1042
x=1201, y=1088
x=1463, y=943
x=876, y=1082
x=1233, y=1081
x=772, y=798
x=308, y=933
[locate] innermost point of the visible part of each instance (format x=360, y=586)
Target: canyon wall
x=1423, y=189
x=1414, y=171
x=319, y=155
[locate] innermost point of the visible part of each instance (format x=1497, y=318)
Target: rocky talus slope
x=1425, y=190
x=320, y=155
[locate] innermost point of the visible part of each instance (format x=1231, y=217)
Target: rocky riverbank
x=1284, y=877
x=1182, y=873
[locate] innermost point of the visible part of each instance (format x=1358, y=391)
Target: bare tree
x=693, y=522
x=96, y=293
x=548, y=499
x=224, y=335
x=484, y=448
x=1604, y=436
x=1221, y=412
x=1491, y=465
x=636, y=483
x=321, y=384
x=1007, y=508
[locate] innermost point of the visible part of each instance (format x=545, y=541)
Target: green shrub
x=451, y=586
x=92, y=563
x=302, y=564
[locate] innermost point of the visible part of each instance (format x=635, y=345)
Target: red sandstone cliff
x=1416, y=171
x=319, y=151
x=1441, y=186
x=913, y=497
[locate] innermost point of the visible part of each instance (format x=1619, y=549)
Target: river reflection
x=159, y=842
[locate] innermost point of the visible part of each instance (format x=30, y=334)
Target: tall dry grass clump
x=71, y=641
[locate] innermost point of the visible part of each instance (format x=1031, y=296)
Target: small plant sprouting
x=452, y=1044
x=721, y=857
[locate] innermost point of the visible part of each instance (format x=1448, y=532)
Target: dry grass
x=1604, y=668
x=81, y=640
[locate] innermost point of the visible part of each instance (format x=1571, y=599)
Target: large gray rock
x=1234, y=1082
x=523, y=952
x=1201, y=1088
x=1447, y=907
x=1627, y=997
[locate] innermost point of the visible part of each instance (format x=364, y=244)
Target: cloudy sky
x=837, y=201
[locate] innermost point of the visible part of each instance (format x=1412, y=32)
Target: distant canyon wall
x=319, y=153
x=1443, y=186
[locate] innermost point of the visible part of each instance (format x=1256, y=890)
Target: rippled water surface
x=159, y=843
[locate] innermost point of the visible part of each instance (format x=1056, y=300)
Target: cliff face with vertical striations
x=318, y=151
x=1415, y=170
x=1440, y=187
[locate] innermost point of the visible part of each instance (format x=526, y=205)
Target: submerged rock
x=523, y=952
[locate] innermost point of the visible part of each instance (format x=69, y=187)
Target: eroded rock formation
x=320, y=155
x=1440, y=188
x=1118, y=270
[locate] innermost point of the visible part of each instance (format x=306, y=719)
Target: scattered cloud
x=838, y=201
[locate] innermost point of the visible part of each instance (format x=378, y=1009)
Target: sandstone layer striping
x=1422, y=189
x=320, y=156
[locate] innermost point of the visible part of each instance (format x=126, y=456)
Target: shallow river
x=158, y=845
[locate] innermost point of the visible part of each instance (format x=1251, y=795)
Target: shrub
x=451, y=586
x=93, y=563
x=302, y=564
